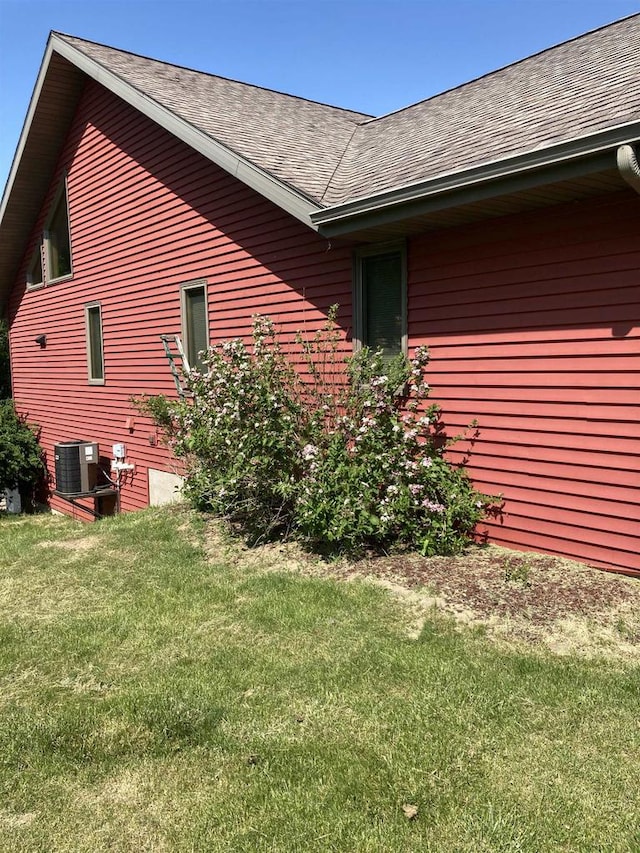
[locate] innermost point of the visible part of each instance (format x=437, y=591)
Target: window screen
x=34, y=275
x=94, y=343
x=59, y=248
x=196, y=327
x=382, y=302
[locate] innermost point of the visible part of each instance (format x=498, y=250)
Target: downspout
x=629, y=167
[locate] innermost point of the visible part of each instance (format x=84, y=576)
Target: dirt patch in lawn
x=522, y=598
x=516, y=598
x=81, y=545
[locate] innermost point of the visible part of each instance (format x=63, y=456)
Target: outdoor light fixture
x=42, y=341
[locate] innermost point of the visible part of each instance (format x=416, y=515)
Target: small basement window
x=195, y=322
x=380, y=303
x=95, y=355
x=57, y=237
x=34, y=272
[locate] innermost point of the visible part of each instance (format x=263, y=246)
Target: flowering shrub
x=375, y=476
x=239, y=433
x=343, y=457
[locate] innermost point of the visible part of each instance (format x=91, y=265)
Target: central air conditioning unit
x=76, y=466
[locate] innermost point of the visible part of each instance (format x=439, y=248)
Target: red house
x=498, y=223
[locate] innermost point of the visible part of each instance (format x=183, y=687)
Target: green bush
x=21, y=461
x=240, y=433
x=5, y=373
x=342, y=455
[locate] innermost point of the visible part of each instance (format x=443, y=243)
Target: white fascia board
x=253, y=176
x=540, y=158
x=26, y=127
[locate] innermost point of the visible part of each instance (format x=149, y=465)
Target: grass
x=156, y=698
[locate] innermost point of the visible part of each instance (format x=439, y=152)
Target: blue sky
x=373, y=56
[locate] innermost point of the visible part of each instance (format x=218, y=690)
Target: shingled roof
x=585, y=85
x=297, y=141
x=343, y=172
x=332, y=155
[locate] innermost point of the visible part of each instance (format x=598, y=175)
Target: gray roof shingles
x=297, y=141
x=333, y=155
x=580, y=87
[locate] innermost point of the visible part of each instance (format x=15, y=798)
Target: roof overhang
x=558, y=172
x=282, y=194
x=579, y=161
x=51, y=110
x=62, y=75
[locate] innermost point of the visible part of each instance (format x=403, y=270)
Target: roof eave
x=17, y=216
x=582, y=155
x=34, y=160
x=26, y=127
x=281, y=194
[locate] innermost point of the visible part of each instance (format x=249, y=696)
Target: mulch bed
x=535, y=599
x=493, y=581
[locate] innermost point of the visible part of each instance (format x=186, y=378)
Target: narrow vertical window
x=380, y=300
x=95, y=357
x=57, y=238
x=195, y=322
x=34, y=273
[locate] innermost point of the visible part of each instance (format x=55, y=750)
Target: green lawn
x=156, y=699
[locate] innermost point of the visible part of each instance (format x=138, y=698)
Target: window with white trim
x=57, y=238
x=380, y=299
x=195, y=322
x=95, y=352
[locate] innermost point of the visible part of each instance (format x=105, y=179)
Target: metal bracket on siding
x=97, y=494
x=178, y=371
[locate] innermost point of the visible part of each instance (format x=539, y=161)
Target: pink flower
x=432, y=506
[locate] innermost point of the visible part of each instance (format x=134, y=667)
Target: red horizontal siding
x=146, y=214
x=533, y=324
